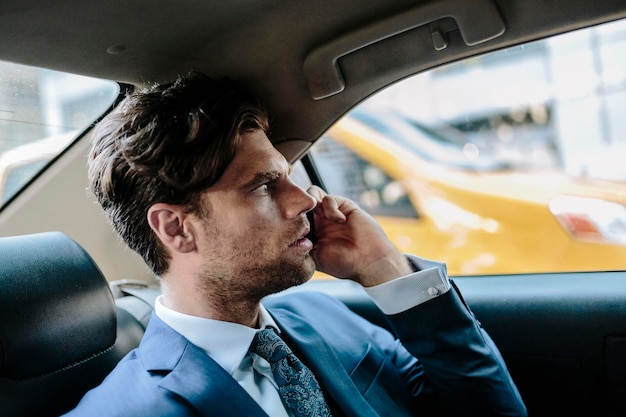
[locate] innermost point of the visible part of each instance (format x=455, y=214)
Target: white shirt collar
x=226, y=343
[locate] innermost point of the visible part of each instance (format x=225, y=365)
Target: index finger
x=316, y=192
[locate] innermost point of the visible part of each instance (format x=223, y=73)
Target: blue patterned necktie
x=300, y=392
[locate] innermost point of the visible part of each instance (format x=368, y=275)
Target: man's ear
x=171, y=224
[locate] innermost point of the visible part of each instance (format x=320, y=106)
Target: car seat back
x=60, y=330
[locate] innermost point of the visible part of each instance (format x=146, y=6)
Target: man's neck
x=211, y=305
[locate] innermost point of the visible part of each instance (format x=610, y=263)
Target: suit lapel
x=322, y=360
x=194, y=375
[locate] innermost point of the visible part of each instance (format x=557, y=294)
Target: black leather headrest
x=56, y=309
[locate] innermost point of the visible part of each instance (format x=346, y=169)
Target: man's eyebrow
x=261, y=178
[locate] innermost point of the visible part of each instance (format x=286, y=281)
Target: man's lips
x=302, y=239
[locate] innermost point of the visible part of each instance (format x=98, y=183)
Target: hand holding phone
x=350, y=244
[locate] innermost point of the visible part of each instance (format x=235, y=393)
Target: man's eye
x=263, y=189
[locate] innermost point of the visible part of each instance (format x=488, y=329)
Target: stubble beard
x=251, y=283
x=271, y=279
x=234, y=277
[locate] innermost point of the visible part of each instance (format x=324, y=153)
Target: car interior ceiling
x=571, y=363
x=283, y=76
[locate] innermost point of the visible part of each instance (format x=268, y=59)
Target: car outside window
x=41, y=112
x=497, y=164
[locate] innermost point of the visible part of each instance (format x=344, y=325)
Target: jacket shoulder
x=132, y=389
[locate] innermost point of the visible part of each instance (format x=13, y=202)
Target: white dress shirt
x=227, y=343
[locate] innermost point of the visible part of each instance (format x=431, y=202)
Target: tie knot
x=268, y=345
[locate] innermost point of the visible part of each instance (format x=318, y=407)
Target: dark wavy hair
x=166, y=144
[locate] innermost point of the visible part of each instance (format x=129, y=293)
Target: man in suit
x=188, y=177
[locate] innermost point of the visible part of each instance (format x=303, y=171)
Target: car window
x=364, y=182
x=41, y=112
x=498, y=164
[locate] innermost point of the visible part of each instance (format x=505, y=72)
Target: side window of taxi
x=41, y=113
x=498, y=164
x=362, y=181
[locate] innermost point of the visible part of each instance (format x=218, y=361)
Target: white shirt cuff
x=403, y=293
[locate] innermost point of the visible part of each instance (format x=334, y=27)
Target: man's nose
x=302, y=202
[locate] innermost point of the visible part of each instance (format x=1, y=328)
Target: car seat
x=60, y=330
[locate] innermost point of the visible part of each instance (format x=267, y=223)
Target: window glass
x=503, y=163
x=41, y=112
x=362, y=181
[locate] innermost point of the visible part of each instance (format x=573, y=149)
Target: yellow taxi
x=478, y=215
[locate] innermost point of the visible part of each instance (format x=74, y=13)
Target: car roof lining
x=477, y=22
x=135, y=42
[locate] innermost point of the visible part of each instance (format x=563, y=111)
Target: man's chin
x=303, y=275
x=309, y=268
x=286, y=275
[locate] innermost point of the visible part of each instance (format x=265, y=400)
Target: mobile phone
x=311, y=235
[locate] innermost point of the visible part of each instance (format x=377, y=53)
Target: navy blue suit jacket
x=364, y=370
